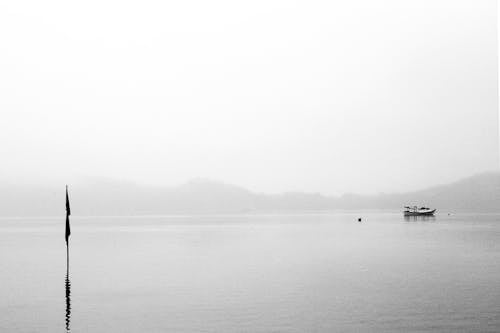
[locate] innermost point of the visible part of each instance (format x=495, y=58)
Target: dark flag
x=68, y=213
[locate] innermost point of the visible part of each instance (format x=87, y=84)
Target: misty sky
x=329, y=96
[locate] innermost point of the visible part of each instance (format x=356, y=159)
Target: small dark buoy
x=359, y=219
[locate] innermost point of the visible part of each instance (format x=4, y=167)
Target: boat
x=418, y=211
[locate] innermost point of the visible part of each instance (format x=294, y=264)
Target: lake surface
x=252, y=273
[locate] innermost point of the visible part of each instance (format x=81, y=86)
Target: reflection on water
x=68, y=301
x=426, y=218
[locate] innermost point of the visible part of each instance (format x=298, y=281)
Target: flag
x=68, y=213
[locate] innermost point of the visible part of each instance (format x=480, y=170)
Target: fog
x=324, y=96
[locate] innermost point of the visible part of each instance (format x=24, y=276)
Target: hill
x=480, y=193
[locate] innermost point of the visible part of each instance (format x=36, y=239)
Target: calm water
x=274, y=273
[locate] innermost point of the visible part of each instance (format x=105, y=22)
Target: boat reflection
x=421, y=218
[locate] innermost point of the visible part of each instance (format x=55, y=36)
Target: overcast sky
x=329, y=96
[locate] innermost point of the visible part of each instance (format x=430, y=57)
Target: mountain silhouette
x=479, y=193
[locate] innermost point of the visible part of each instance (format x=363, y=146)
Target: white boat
x=418, y=211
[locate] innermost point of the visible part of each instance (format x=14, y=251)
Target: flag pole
x=67, y=259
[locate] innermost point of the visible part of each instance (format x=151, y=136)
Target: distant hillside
x=479, y=193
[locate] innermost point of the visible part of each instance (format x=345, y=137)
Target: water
x=252, y=273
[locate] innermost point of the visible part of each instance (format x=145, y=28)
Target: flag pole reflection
x=68, y=301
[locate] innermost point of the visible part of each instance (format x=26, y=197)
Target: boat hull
x=426, y=213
